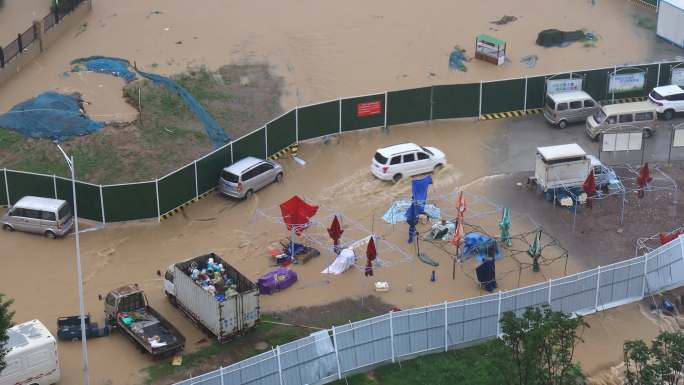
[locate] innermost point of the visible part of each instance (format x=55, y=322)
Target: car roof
x=39, y=203
x=622, y=108
x=669, y=90
x=561, y=152
x=562, y=97
x=398, y=149
x=243, y=164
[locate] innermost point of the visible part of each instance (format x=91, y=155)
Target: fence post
x=221, y=374
x=643, y=284
x=337, y=354
x=479, y=114
x=525, y=101
x=21, y=46
x=102, y=206
x=2, y=58
x=280, y=367
x=9, y=202
x=296, y=125
x=598, y=287
x=340, y=122
x=196, y=183
x=550, y=286
x=498, y=316
x=446, y=327
x=54, y=184
x=658, y=76
x=232, y=160
x=266, y=154
x=156, y=190
x=432, y=101
x=391, y=335
x=386, y=104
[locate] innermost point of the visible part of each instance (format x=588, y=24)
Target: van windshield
x=599, y=116
x=380, y=159
x=550, y=103
x=64, y=212
x=230, y=177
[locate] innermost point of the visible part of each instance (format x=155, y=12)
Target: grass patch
x=475, y=365
x=645, y=22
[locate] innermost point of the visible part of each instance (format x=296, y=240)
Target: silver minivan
x=50, y=217
x=612, y=117
x=243, y=178
x=569, y=107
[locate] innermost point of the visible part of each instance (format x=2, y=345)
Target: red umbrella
x=589, y=187
x=297, y=213
x=335, y=231
x=643, y=179
x=371, y=253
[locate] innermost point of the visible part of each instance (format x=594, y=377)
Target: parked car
x=50, y=217
x=668, y=100
x=407, y=159
x=247, y=176
x=614, y=117
x=569, y=107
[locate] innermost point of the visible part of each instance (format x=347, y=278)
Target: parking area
x=486, y=158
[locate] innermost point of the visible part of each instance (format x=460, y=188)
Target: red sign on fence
x=369, y=108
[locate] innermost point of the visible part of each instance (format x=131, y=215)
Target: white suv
x=668, y=99
x=400, y=160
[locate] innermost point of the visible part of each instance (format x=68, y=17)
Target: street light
x=84, y=344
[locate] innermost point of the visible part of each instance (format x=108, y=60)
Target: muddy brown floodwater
x=16, y=16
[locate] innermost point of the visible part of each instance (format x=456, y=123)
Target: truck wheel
x=648, y=133
x=562, y=124
x=279, y=177
x=669, y=114
x=50, y=234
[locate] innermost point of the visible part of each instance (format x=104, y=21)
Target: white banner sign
x=678, y=138
x=554, y=86
x=677, y=77
x=626, y=82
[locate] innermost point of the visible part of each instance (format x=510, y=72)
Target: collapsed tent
x=397, y=212
x=441, y=231
x=483, y=246
x=554, y=37
x=50, y=115
x=342, y=263
x=297, y=213
x=276, y=281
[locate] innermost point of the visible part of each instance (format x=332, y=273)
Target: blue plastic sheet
x=397, y=212
x=105, y=65
x=481, y=245
x=50, y=115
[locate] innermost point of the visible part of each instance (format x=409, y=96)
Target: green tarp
x=177, y=188
x=130, y=201
x=319, y=120
x=282, y=132
x=87, y=195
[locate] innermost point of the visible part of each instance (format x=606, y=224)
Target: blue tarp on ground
x=481, y=245
x=397, y=212
x=50, y=115
x=105, y=65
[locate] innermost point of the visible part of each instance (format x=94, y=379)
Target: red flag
x=335, y=231
x=371, y=254
x=643, y=179
x=589, y=187
x=665, y=237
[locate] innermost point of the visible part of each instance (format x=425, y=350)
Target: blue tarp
x=105, y=65
x=50, y=115
x=419, y=189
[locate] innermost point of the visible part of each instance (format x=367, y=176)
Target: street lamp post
x=84, y=344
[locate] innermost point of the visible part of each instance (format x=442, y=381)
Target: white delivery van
x=32, y=357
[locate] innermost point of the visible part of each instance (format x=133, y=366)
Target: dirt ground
x=16, y=16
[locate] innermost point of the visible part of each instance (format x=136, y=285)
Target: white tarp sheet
x=342, y=263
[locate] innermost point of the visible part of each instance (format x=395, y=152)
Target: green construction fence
x=209, y=168
x=87, y=195
x=318, y=120
x=3, y=190
x=363, y=112
x=409, y=106
x=253, y=144
x=281, y=132
x=127, y=202
x=455, y=101
x=177, y=188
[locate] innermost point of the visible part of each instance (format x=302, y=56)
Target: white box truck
x=561, y=166
x=670, y=24
x=225, y=306
x=32, y=357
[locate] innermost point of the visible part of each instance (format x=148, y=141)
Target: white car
x=407, y=159
x=668, y=99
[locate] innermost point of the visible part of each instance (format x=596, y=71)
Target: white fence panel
x=665, y=266
x=575, y=293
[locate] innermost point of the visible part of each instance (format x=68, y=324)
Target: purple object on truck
x=276, y=280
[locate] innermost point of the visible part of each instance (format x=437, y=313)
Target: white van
x=32, y=357
x=569, y=107
x=50, y=217
x=407, y=159
x=640, y=115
